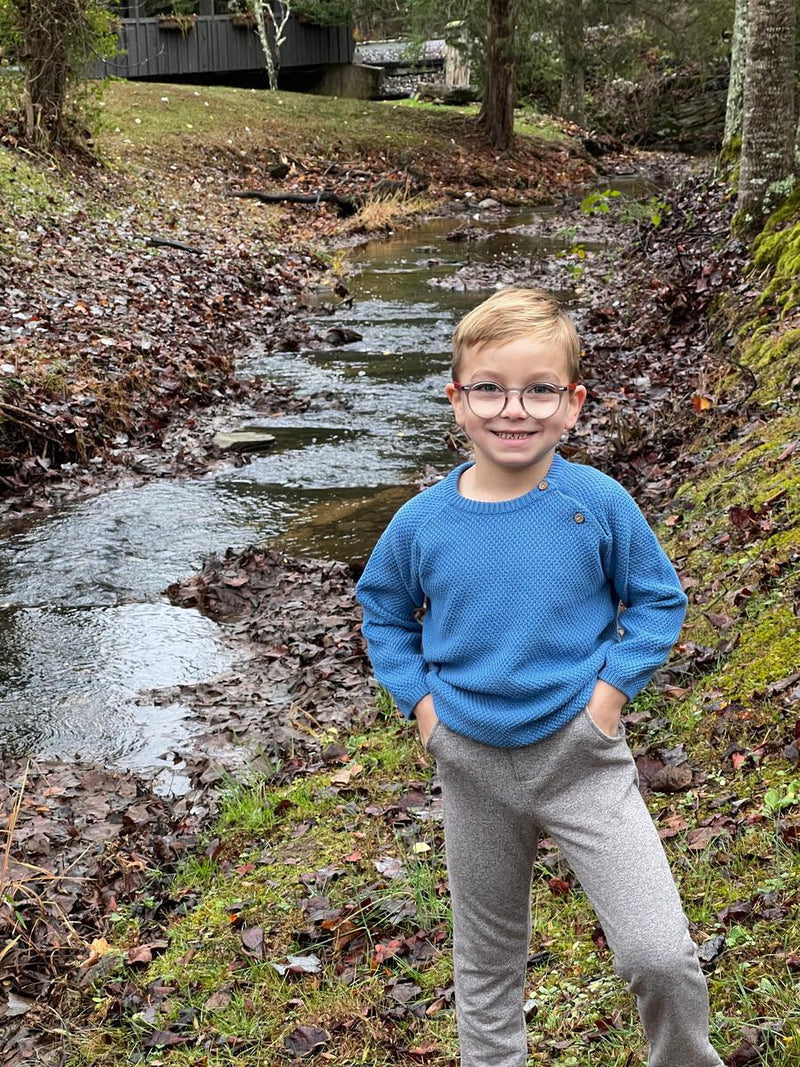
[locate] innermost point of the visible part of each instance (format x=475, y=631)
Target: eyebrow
x=493, y=376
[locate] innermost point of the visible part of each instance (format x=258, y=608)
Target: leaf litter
x=312, y=675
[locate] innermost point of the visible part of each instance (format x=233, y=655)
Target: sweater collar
x=493, y=507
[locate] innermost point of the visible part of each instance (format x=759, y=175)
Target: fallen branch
x=346, y=205
x=163, y=242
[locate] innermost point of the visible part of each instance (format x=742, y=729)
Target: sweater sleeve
x=390, y=593
x=655, y=604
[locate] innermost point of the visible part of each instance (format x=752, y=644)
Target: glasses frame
x=560, y=389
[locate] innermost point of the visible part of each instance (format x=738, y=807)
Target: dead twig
x=16, y=414
x=13, y=818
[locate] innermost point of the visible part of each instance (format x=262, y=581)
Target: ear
x=457, y=401
x=576, y=400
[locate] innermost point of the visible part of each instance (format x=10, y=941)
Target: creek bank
x=132, y=286
x=111, y=351
x=84, y=839
x=673, y=415
x=652, y=394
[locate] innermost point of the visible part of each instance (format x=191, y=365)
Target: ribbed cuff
x=410, y=701
x=627, y=685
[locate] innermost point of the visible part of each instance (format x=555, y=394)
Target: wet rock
x=340, y=335
x=489, y=203
x=244, y=441
x=469, y=232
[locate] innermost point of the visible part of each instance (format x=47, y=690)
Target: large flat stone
x=244, y=441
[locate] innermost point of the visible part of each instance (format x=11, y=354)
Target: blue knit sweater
x=521, y=602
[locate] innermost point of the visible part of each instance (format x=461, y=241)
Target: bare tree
x=769, y=126
x=497, y=112
x=271, y=18
x=573, y=104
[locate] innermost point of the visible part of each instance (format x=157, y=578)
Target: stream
x=84, y=625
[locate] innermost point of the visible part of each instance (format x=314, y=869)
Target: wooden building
x=216, y=44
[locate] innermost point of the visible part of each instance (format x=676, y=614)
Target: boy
x=517, y=676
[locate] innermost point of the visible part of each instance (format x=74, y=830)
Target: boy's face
x=514, y=443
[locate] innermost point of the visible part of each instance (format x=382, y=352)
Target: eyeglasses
x=540, y=400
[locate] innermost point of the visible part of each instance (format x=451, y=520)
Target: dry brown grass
x=386, y=212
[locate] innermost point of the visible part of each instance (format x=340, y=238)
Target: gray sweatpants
x=579, y=787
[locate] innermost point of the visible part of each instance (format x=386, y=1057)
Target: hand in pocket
x=605, y=708
x=425, y=714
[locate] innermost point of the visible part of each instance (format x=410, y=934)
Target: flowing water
x=84, y=625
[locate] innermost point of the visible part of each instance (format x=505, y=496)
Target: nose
x=514, y=408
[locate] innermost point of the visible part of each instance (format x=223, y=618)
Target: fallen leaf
x=384, y=950
x=220, y=999
x=97, y=949
x=310, y=964
x=140, y=954
x=389, y=866
x=701, y=837
x=253, y=940
x=304, y=1040
x=17, y=1005
x=165, y=1039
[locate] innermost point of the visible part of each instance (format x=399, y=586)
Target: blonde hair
x=511, y=313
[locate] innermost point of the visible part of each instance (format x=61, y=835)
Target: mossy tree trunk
x=769, y=124
x=572, y=105
x=733, y=111
x=497, y=112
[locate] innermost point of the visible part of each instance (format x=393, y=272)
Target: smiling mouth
x=513, y=436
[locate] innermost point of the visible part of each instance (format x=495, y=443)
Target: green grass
x=154, y=117
x=30, y=191
x=268, y=842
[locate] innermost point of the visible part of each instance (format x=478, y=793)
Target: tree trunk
x=262, y=31
x=46, y=32
x=270, y=33
x=733, y=113
x=572, y=104
x=768, y=129
x=497, y=112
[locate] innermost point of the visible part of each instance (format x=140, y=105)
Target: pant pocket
x=619, y=736
x=432, y=738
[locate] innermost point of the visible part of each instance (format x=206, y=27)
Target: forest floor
x=298, y=912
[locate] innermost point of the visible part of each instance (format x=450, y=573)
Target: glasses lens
x=486, y=399
x=541, y=400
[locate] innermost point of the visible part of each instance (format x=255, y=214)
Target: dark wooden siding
x=215, y=45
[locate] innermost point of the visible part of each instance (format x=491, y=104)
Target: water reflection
x=84, y=629
x=70, y=677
